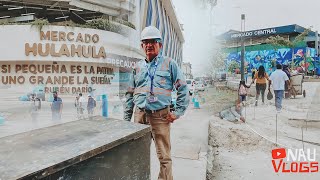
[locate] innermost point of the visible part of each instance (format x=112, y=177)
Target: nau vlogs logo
x=294, y=161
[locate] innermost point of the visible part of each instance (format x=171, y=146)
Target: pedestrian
x=56, y=107
x=254, y=70
x=246, y=75
x=239, y=112
x=261, y=78
x=243, y=91
x=234, y=113
x=294, y=71
x=35, y=106
x=77, y=106
x=285, y=69
x=91, y=105
x=278, y=79
x=82, y=103
x=150, y=87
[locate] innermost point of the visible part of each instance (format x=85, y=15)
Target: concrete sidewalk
x=251, y=143
x=189, y=141
x=296, y=114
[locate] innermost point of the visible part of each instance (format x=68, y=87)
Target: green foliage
x=40, y=23
x=126, y=23
x=216, y=63
x=67, y=23
x=211, y=3
x=278, y=41
x=104, y=24
x=233, y=65
x=4, y=22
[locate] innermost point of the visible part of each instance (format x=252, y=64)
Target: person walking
x=261, y=78
x=253, y=72
x=77, y=106
x=243, y=91
x=150, y=87
x=35, y=107
x=285, y=69
x=56, y=107
x=278, y=79
x=91, y=105
x=82, y=103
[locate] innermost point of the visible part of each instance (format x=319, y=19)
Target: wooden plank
x=51, y=149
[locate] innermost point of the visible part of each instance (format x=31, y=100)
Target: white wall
x=14, y=37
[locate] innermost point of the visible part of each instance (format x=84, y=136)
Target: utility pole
x=317, y=44
x=243, y=19
x=317, y=51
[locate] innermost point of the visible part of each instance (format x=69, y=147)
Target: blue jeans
x=278, y=98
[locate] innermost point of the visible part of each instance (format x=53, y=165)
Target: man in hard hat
x=150, y=87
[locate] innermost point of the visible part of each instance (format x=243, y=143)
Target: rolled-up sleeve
x=181, y=87
x=129, y=105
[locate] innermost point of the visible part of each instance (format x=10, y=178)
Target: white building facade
x=80, y=58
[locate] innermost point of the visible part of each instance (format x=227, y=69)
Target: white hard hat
x=150, y=32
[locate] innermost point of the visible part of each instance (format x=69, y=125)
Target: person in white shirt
x=278, y=79
x=82, y=104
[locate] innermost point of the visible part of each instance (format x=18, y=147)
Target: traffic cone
x=196, y=104
x=105, y=105
x=1, y=120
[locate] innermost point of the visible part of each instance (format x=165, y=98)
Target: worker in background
x=56, y=106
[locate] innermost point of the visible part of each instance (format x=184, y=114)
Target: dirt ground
x=243, y=150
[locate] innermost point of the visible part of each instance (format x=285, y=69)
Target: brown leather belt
x=151, y=111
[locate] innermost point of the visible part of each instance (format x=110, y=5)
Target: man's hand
x=242, y=119
x=171, y=117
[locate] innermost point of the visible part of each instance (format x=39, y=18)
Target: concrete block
x=95, y=149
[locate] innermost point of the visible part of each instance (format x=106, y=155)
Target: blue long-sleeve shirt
x=167, y=77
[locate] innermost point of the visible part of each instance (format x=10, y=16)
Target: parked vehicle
x=221, y=76
x=200, y=86
x=191, y=86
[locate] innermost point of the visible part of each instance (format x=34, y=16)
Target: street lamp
x=243, y=19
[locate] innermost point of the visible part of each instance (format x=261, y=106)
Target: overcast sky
x=200, y=25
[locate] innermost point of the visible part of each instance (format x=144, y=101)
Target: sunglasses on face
x=151, y=41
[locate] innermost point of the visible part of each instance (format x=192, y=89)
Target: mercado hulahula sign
x=68, y=50
x=72, y=61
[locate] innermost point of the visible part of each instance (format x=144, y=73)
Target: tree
x=278, y=41
x=233, y=65
x=205, y=3
x=217, y=62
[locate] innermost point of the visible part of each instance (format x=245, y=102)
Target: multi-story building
x=259, y=52
x=74, y=46
x=186, y=69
